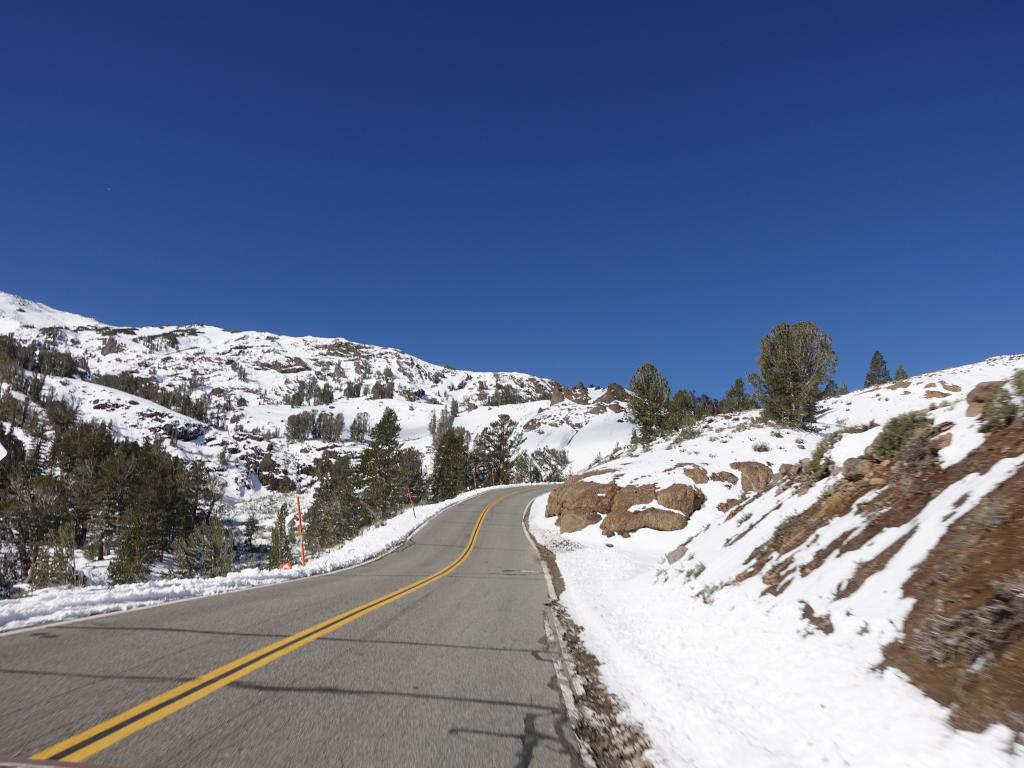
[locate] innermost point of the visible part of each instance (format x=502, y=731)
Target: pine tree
x=207, y=551
x=495, y=450
x=134, y=552
x=380, y=467
x=280, y=551
x=797, y=361
x=878, y=371
x=252, y=527
x=901, y=373
x=336, y=514
x=451, y=475
x=737, y=399
x=648, y=402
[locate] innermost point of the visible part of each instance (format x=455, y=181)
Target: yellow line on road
x=89, y=742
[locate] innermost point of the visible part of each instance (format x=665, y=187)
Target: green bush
x=999, y=411
x=1018, y=382
x=897, y=433
x=821, y=463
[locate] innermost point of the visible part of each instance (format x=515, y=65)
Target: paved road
x=455, y=673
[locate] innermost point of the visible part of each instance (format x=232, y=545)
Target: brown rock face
x=725, y=477
x=980, y=395
x=684, y=498
x=698, y=474
x=856, y=469
x=754, y=475
x=625, y=523
x=614, y=393
x=675, y=555
x=788, y=470
x=578, y=504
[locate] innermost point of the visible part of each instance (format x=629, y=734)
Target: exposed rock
x=614, y=393
x=675, y=555
x=754, y=476
x=936, y=393
x=942, y=441
x=578, y=504
x=624, y=522
x=789, y=470
x=271, y=476
x=980, y=395
x=699, y=475
x=725, y=477
x=615, y=408
x=684, y=498
x=111, y=346
x=857, y=468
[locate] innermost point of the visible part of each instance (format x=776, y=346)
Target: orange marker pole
x=302, y=539
x=412, y=503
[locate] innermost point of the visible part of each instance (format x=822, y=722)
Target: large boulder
x=683, y=498
x=614, y=394
x=577, y=504
x=698, y=474
x=857, y=468
x=725, y=477
x=754, y=476
x=625, y=522
x=980, y=395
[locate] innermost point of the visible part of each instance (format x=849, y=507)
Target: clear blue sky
x=567, y=189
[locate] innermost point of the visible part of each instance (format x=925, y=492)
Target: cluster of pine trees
x=307, y=425
x=86, y=488
x=354, y=493
x=655, y=411
x=796, y=369
x=179, y=399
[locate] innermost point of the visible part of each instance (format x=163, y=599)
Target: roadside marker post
x=302, y=538
x=408, y=492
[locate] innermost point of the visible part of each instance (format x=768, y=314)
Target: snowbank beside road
x=740, y=681
x=64, y=603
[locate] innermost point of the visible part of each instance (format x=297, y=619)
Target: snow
x=720, y=673
x=62, y=603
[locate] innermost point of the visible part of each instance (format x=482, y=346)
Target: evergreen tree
x=336, y=514
x=796, y=362
x=252, y=527
x=134, y=553
x=380, y=467
x=878, y=371
x=280, y=549
x=360, y=424
x=737, y=399
x=901, y=373
x=207, y=551
x=495, y=450
x=411, y=473
x=451, y=475
x=648, y=402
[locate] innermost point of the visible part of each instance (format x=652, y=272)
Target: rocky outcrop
x=857, y=468
x=614, y=394
x=271, y=476
x=577, y=504
x=626, y=522
x=980, y=395
x=622, y=509
x=754, y=476
x=725, y=477
x=698, y=474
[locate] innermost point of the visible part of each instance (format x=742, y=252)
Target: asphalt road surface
x=405, y=661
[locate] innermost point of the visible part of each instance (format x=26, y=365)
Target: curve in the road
x=84, y=745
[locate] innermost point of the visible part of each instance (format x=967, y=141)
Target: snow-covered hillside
x=249, y=378
x=806, y=609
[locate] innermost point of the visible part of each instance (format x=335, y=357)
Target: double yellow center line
x=88, y=743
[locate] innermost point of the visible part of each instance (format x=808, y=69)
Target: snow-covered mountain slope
x=248, y=380
x=803, y=607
